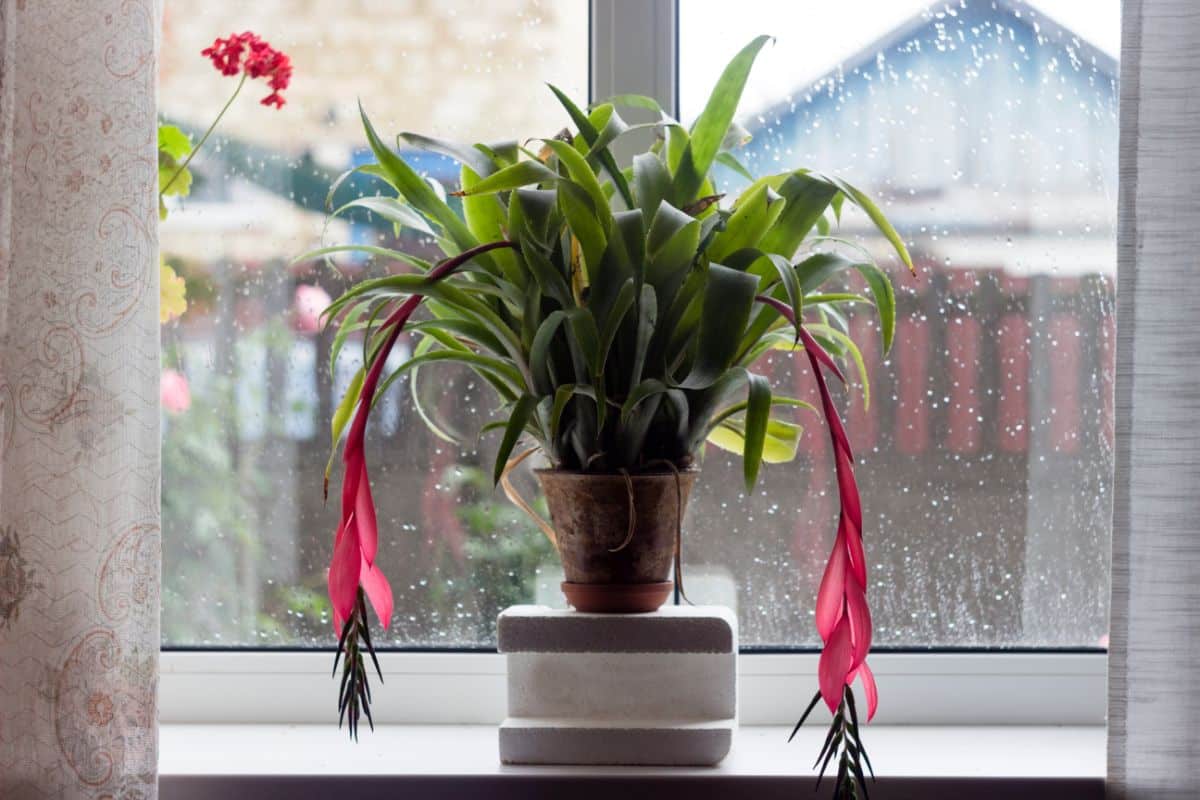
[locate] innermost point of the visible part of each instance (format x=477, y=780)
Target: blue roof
x=987, y=92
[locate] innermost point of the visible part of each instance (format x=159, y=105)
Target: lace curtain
x=1154, y=687
x=79, y=384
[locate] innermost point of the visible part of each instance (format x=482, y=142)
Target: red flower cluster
x=247, y=52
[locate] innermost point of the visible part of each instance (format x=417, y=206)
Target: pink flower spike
x=859, y=615
x=834, y=666
x=854, y=547
x=815, y=350
x=357, y=540
x=848, y=490
x=364, y=514
x=868, y=680
x=379, y=592
x=801, y=334
x=832, y=590
x=344, y=572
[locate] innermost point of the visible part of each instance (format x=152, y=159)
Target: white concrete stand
x=629, y=689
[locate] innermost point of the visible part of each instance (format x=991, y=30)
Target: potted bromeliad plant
x=618, y=311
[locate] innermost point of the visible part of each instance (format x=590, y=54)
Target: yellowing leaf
x=579, y=280
x=782, y=441
x=172, y=294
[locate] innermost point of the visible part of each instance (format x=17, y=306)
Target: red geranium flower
x=248, y=53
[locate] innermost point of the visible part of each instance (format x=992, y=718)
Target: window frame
x=634, y=48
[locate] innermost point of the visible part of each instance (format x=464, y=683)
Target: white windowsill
x=945, y=689
x=461, y=760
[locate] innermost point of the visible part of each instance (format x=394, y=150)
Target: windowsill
x=299, y=761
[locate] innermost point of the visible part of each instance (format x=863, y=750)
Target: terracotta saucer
x=617, y=598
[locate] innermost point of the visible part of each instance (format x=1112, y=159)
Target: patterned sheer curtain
x=1154, y=685
x=79, y=418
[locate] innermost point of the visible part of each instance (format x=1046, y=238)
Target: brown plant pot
x=591, y=518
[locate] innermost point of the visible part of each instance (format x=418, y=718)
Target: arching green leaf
x=392, y=210
x=523, y=173
x=708, y=132
x=512, y=432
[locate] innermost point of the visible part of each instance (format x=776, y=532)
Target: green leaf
x=711, y=126
x=753, y=215
x=806, y=199
x=539, y=351
x=776, y=400
x=728, y=299
x=516, y=424
x=503, y=154
x=174, y=142
x=822, y=298
x=671, y=244
x=534, y=212
x=644, y=102
x=677, y=146
x=589, y=133
x=758, y=412
x=391, y=209
x=730, y=161
x=881, y=222
x=582, y=342
x=641, y=392
x=647, y=319
x=365, y=169
x=651, y=181
x=885, y=300
x=613, y=319
x=510, y=380
x=583, y=326
x=341, y=416
x=523, y=173
x=461, y=327
x=562, y=396
x=415, y=189
x=580, y=212
x=371, y=250
x=772, y=267
x=814, y=270
x=581, y=173
x=354, y=321
x=174, y=146
x=609, y=126
x=549, y=280
x=486, y=218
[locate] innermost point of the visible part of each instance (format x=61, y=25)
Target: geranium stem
x=203, y=138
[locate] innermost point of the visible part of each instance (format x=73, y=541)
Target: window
x=988, y=128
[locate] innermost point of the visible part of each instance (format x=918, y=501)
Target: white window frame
x=634, y=46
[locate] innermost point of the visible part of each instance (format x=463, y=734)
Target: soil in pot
x=610, y=565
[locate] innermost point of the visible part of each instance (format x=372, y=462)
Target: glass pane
x=989, y=132
x=247, y=392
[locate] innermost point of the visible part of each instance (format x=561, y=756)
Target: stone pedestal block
x=631, y=689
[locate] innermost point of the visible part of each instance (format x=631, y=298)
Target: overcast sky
x=812, y=36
